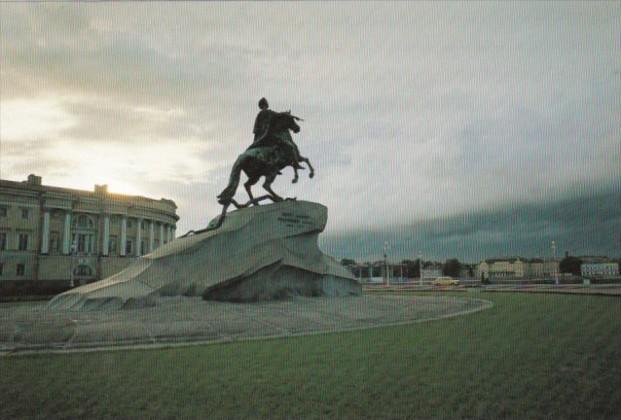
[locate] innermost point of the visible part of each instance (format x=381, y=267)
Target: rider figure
x=262, y=122
x=261, y=129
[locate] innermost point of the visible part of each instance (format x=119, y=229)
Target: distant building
x=49, y=234
x=516, y=268
x=370, y=272
x=598, y=267
x=468, y=271
x=431, y=273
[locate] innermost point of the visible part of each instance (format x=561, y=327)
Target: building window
x=84, y=221
x=143, y=225
x=128, y=247
x=81, y=242
x=54, y=241
x=24, y=213
x=1, y=268
x=129, y=223
x=143, y=247
x=21, y=269
x=83, y=270
x=85, y=243
x=23, y=242
x=3, y=211
x=2, y=241
x=112, y=245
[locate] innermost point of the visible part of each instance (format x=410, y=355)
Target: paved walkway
x=603, y=290
x=28, y=327
x=579, y=289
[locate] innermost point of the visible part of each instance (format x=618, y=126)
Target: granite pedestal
x=259, y=253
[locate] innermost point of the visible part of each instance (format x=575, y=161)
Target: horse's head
x=286, y=121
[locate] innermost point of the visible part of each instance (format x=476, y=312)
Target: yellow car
x=445, y=281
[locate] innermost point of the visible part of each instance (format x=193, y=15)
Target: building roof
x=504, y=259
x=592, y=259
x=514, y=259
x=34, y=184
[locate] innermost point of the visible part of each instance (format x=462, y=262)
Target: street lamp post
x=386, y=263
x=420, y=268
x=554, y=263
x=71, y=265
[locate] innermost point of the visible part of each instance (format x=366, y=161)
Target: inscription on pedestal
x=292, y=219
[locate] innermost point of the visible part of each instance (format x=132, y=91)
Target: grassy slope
x=532, y=356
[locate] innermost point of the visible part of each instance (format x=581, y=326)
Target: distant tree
x=484, y=280
x=362, y=271
x=570, y=264
x=378, y=269
x=451, y=267
x=348, y=261
x=428, y=264
x=410, y=268
x=351, y=266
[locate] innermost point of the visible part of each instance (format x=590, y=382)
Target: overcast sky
x=414, y=112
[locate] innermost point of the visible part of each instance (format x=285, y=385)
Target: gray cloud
x=414, y=111
x=32, y=157
x=584, y=224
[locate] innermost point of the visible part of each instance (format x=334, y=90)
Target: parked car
x=445, y=281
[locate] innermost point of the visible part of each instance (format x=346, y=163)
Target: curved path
x=28, y=328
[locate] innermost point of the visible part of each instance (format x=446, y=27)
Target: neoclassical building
x=57, y=236
x=517, y=268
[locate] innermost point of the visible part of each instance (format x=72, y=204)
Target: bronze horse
x=267, y=159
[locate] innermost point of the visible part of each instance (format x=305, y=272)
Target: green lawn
x=532, y=356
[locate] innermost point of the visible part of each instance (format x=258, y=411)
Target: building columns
x=161, y=234
x=138, y=237
x=151, y=235
x=106, y=236
x=123, y=236
x=45, y=237
x=67, y=234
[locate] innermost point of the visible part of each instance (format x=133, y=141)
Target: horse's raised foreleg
x=295, y=176
x=312, y=170
x=267, y=185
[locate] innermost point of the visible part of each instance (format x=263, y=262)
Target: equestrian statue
x=272, y=150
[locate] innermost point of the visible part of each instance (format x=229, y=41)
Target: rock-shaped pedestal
x=259, y=253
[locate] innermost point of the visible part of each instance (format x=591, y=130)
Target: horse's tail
x=228, y=193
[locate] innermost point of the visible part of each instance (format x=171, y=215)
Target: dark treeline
x=408, y=268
